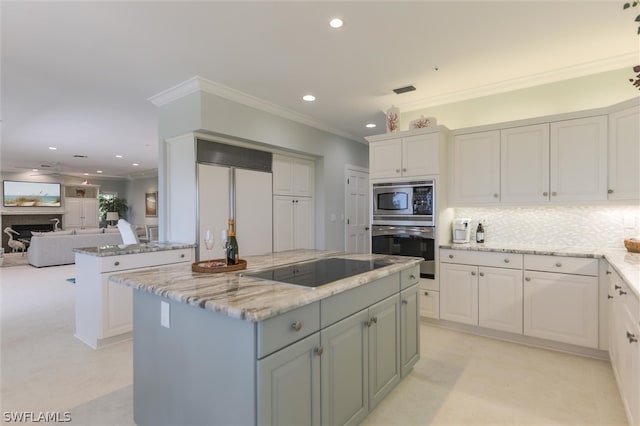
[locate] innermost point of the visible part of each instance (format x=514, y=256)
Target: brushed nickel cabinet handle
x=450, y=256
x=404, y=302
x=397, y=170
x=559, y=265
x=632, y=337
x=404, y=170
x=412, y=277
x=527, y=279
x=495, y=195
x=608, y=272
x=554, y=193
x=482, y=274
x=375, y=320
x=617, y=287
x=116, y=263
x=610, y=191
x=507, y=261
x=297, y=326
x=473, y=274
x=622, y=292
x=319, y=350
x=426, y=293
x=545, y=194
x=182, y=256
x=609, y=296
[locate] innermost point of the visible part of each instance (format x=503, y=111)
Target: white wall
x=593, y=91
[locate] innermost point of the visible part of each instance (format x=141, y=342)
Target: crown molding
x=198, y=83
x=566, y=73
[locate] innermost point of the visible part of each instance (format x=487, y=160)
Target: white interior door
x=254, y=212
x=357, y=221
x=213, y=206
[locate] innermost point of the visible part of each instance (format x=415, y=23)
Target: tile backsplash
x=585, y=226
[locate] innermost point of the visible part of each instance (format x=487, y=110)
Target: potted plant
x=111, y=204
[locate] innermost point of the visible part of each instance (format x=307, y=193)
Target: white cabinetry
x=481, y=288
x=475, y=168
x=578, y=160
x=561, y=299
x=524, y=164
x=410, y=154
x=624, y=349
x=103, y=308
x=292, y=176
x=429, y=303
x=293, y=223
x=624, y=154
x=81, y=207
x=293, y=206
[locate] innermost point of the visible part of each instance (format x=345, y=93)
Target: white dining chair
x=127, y=232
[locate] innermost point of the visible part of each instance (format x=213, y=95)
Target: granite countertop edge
x=124, y=249
x=251, y=299
x=626, y=264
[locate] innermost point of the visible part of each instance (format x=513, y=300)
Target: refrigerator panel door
x=213, y=207
x=254, y=225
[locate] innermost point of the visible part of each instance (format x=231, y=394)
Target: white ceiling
x=77, y=75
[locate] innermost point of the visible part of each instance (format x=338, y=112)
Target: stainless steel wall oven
x=418, y=241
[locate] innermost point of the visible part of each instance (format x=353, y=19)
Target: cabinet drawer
x=620, y=290
x=282, y=330
x=334, y=308
x=482, y=258
x=429, y=303
x=409, y=277
x=144, y=260
x=562, y=264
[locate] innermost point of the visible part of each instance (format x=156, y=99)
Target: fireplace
x=25, y=224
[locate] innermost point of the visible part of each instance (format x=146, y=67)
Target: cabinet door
x=578, y=159
x=254, y=231
x=282, y=175
x=385, y=159
x=624, y=155
x=91, y=214
x=213, y=206
x=629, y=335
x=429, y=303
x=500, y=299
x=303, y=174
x=561, y=307
x=420, y=155
x=303, y=224
x=283, y=223
x=384, y=348
x=409, y=328
x=73, y=213
x=289, y=385
x=344, y=367
x=459, y=293
x=524, y=164
x=475, y=168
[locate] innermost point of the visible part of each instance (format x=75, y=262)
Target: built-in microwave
x=404, y=203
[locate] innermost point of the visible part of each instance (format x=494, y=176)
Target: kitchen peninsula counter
x=626, y=264
x=253, y=299
x=228, y=348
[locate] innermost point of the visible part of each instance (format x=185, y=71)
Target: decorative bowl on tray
x=632, y=245
x=217, y=266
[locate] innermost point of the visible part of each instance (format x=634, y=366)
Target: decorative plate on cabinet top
x=422, y=122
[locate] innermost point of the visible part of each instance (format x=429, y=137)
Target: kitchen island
x=235, y=349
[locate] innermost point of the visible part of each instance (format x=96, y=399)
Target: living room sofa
x=56, y=248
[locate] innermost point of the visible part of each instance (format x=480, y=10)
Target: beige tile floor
x=460, y=380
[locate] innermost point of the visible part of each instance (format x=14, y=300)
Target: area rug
x=14, y=259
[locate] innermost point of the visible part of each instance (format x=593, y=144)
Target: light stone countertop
x=253, y=299
x=626, y=264
x=122, y=249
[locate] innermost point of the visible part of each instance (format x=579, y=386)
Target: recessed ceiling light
x=118, y=156
x=370, y=125
x=86, y=174
x=52, y=148
x=98, y=171
x=135, y=164
x=34, y=170
x=309, y=98
x=336, y=23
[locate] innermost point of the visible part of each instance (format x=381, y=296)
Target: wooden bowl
x=207, y=266
x=632, y=245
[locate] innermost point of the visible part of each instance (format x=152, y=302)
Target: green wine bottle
x=232, y=246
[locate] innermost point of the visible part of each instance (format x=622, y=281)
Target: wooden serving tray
x=208, y=266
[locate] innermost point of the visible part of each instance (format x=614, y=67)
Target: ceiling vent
x=80, y=156
x=404, y=89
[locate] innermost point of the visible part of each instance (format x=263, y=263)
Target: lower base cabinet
x=500, y=299
x=429, y=303
x=409, y=328
x=561, y=307
x=459, y=293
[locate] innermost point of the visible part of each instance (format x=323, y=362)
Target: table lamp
x=112, y=217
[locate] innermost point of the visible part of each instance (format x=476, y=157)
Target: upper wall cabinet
x=292, y=176
x=475, y=166
x=524, y=164
x=561, y=161
x=408, y=154
x=624, y=154
x=578, y=160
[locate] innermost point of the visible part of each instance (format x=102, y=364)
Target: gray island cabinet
x=232, y=349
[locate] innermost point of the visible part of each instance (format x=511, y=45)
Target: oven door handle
x=423, y=232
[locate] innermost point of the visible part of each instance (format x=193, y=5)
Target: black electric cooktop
x=319, y=272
